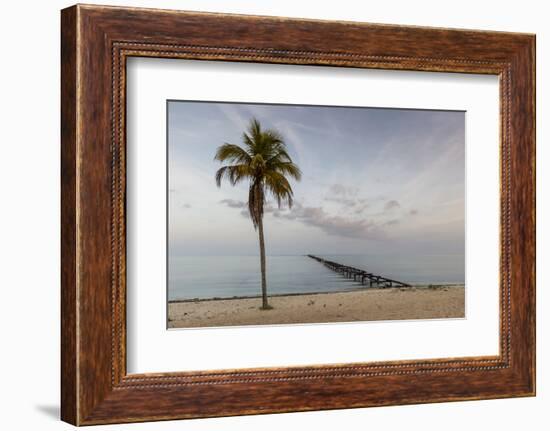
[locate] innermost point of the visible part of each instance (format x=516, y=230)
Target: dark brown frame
x=95, y=43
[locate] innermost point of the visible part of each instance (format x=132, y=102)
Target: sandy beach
x=359, y=305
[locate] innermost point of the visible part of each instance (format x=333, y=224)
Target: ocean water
x=204, y=277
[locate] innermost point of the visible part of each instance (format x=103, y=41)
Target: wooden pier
x=359, y=275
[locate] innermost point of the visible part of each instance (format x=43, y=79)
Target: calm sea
x=227, y=276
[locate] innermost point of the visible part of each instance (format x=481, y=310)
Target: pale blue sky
x=386, y=181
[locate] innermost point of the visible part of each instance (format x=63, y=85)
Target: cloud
x=332, y=225
x=268, y=208
x=342, y=201
x=232, y=203
x=390, y=205
x=362, y=206
x=343, y=195
x=342, y=190
x=352, y=223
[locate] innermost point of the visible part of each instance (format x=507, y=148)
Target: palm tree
x=264, y=162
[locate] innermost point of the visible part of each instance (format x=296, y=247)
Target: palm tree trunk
x=265, y=305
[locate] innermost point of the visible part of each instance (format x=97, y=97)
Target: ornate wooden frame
x=95, y=43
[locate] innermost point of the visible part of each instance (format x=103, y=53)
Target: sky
x=386, y=181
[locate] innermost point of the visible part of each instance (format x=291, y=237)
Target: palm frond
x=265, y=161
x=249, y=143
x=255, y=130
x=273, y=136
x=237, y=173
x=232, y=153
x=279, y=154
x=234, y=173
x=287, y=168
x=220, y=173
x=279, y=187
x=270, y=144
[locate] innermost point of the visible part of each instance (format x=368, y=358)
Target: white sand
x=362, y=305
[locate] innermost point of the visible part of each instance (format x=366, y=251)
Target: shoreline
x=361, y=304
x=322, y=292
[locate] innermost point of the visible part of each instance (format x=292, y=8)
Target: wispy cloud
x=232, y=203
x=334, y=225
x=343, y=195
x=367, y=173
x=391, y=205
x=343, y=201
x=342, y=190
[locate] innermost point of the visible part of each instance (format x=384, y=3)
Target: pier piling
x=359, y=274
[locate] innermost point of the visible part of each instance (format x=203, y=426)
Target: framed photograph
x=323, y=178
x=264, y=214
